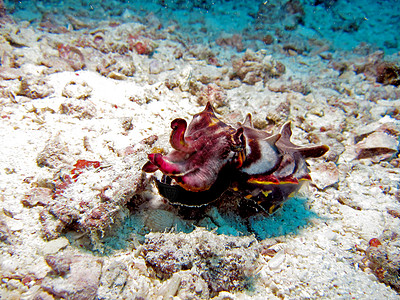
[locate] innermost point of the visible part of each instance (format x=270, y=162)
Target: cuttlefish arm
x=177, y=138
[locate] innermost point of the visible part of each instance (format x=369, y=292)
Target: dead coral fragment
x=377, y=146
x=54, y=154
x=377, y=141
x=72, y=55
x=254, y=67
x=37, y=196
x=234, y=41
x=388, y=73
x=34, y=88
x=225, y=263
x=80, y=276
x=78, y=90
x=383, y=256
x=81, y=109
x=87, y=197
x=375, y=67
x=213, y=94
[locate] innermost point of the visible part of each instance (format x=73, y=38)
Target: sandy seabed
x=81, y=107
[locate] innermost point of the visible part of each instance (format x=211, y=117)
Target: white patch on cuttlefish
x=268, y=160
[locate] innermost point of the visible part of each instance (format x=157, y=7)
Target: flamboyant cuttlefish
x=211, y=157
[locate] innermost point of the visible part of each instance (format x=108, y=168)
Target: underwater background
x=89, y=88
x=340, y=24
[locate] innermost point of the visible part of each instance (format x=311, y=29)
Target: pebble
x=155, y=67
x=15, y=225
x=54, y=246
x=275, y=262
x=116, y=76
x=325, y=174
x=78, y=90
x=170, y=287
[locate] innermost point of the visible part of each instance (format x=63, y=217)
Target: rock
x=234, y=41
x=223, y=262
x=78, y=108
x=81, y=279
x=59, y=264
x=280, y=85
x=54, y=246
x=23, y=37
x=229, y=84
x=324, y=174
x=385, y=124
x=254, y=67
x=37, y=196
x=214, y=94
x=113, y=280
x=14, y=224
x=184, y=78
x=78, y=90
x=276, y=261
x=116, y=76
x=376, y=141
x=34, y=88
x=54, y=155
x=116, y=67
x=170, y=287
x=383, y=257
x=5, y=233
x=41, y=295
x=377, y=146
x=9, y=73
x=156, y=67
x=91, y=199
x=192, y=286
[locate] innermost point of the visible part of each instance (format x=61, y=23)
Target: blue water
x=337, y=24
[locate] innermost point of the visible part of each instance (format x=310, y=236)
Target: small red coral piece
x=374, y=242
x=140, y=48
x=82, y=164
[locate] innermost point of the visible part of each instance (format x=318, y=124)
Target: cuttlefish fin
x=286, y=145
